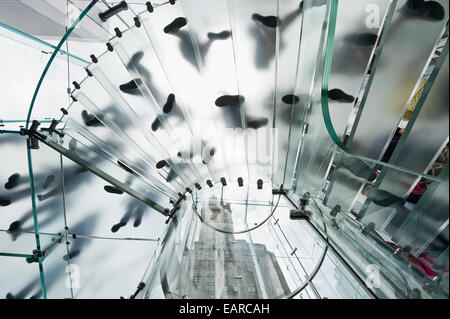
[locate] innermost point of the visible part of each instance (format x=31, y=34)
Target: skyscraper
x=225, y=267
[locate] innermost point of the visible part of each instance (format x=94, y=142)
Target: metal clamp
x=176, y=206
x=121, y=6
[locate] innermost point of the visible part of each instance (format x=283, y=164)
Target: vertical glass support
x=288, y=45
x=313, y=155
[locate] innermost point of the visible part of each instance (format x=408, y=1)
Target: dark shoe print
x=13, y=181
x=175, y=25
x=268, y=21
x=113, y=189
x=229, y=100
x=340, y=96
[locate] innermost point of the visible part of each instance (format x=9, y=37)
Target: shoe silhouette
x=268, y=21
x=219, y=36
x=428, y=10
x=290, y=98
x=257, y=123
x=4, y=202
x=229, y=100
x=13, y=181
x=167, y=108
x=137, y=221
x=435, y=11
x=340, y=96
x=14, y=226
x=116, y=227
x=125, y=167
x=361, y=39
x=90, y=119
x=155, y=125
x=129, y=86
x=112, y=189
x=175, y=25
x=161, y=164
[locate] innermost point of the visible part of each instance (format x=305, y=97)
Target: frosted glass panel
x=109, y=170
x=357, y=27
x=255, y=28
x=185, y=79
x=19, y=278
x=306, y=114
x=397, y=73
x=425, y=139
x=97, y=102
x=158, y=101
x=15, y=202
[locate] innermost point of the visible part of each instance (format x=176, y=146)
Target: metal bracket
x=52, y=128
x=301, y=212
x=176, y=206
x=33, y=135
x=39, y=253
x=121, y=6
x=140, y=287
x=280, y=191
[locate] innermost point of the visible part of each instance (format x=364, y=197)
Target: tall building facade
x=225, y=267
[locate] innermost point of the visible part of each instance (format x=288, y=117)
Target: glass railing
x=281, y=259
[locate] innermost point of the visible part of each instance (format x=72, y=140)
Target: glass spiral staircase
x=291, y=149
